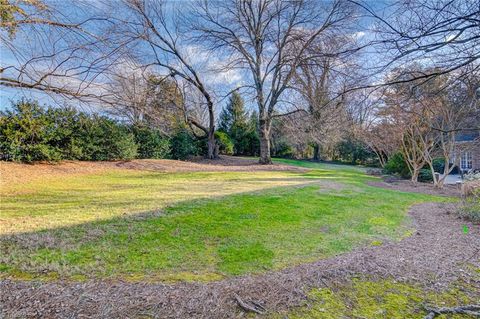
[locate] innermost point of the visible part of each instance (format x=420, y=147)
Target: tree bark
x=212, y=153
x=209, y=132
x=212, y=145
x=264, y=135
x=415, y=172
x=316, y=152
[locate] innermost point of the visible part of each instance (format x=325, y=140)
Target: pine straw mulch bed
x=200, y=164
x=402, y=185
x=438, y=253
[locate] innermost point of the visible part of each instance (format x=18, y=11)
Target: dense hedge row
x=29, y=133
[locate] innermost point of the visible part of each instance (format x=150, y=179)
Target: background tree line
x=30, y=132
x=319, y=82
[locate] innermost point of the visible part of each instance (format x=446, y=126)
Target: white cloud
x=213, y=68
x=358, y=35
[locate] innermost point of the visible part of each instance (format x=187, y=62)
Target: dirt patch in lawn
x=437, y=253
x=224, y=163
x=15, y=173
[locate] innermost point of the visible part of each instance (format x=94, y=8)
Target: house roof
x=467, y=136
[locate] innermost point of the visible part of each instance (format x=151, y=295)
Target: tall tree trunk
x=436, y=182
x=212, y=145
x=382, y=157
x=316, y=152
x=264, y=134
x=446, y=170
x=415, y=172
x=212, y=153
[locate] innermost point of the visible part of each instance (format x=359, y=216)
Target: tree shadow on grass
x=227, y=235
x=78, y=202
x=145, y=233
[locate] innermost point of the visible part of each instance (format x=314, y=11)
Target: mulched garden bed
x=439, y=252
x=408, y=186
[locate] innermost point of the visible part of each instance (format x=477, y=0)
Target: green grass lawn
x=141, y=225
x=59, y=201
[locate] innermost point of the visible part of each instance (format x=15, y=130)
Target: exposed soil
x=22, y=173
x=438, y=253
x=224, y=163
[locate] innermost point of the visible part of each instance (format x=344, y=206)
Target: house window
x=466, y=161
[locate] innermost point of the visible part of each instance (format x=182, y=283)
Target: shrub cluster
x=225, y=143
x=184, y=145
x=353, y=151
x=396, y=165
x=470, y=208
x=29, y=132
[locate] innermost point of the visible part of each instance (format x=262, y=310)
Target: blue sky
x=225, y=83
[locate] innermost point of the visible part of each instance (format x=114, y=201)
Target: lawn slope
x=143, y=225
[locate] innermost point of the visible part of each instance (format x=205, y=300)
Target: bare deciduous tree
x=144, y=98
x=450, y=105
x=407, y=114
x=268, y=39
x=324, y=120
x=442, y=34
x=43, y=49
x=428, y=115
x=163, y=46
x=382, y=137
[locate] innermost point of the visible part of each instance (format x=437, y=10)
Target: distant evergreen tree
x=233, y=117
x=253, y=121
x=253, y=142
x=234, y=122
x=224, y=121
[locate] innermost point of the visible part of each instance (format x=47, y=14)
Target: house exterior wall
x=476, y=157
x=474, y=148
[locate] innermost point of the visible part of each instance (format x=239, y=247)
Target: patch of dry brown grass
x=13, y=175
x=44, y=196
